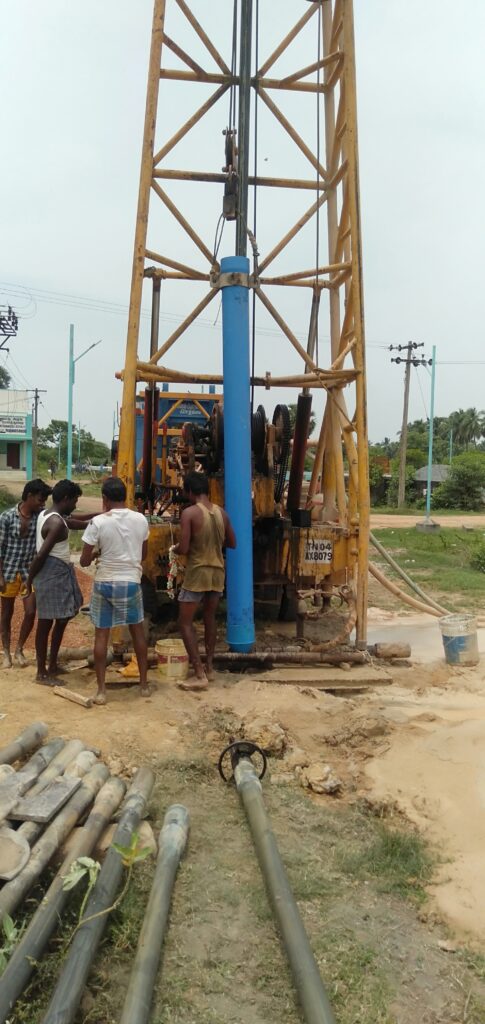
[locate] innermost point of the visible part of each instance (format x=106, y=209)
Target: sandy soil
x=417, y=746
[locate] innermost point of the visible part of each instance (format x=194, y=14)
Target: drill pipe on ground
x=19, y=782
x=28, y=740
x=306, y=976
x=291, y=657
x=13, y=892
x=172, y=843
x=67, y=995
x=46, y=919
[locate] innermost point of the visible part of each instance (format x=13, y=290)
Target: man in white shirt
x=118, y=540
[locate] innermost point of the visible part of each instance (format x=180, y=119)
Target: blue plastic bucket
x=459, y=635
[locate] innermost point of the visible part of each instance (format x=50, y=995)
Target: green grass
x=7, y=499
x=399, y=861
x=439, y=562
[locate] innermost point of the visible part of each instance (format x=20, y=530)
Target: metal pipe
x=14, y=892
x=30, y=949
x=237, y=454
x=243, y=125
x=172, y=843
x=290, y=657
x=404, y=576
x=306, y=976
x=146, y=471
x=302, y=423
x=28, y=740
x=71, y=984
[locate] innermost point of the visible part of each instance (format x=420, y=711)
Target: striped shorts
x=116, y=604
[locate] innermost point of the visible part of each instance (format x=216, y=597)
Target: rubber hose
x=404, y=576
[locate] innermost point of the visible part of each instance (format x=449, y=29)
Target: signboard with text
x=13, y=423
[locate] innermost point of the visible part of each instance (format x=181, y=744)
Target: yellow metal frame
x=335, y=186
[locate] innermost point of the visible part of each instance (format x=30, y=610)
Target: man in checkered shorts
x=118, y=540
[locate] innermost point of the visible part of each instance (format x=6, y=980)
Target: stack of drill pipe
x=47, y=917
x=69, y=990
x=55, y=834
x=28, y=740
x=31, y=830
x=172, y=843
x=23, y=780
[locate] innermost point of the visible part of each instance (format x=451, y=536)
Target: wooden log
x=45, y=921
x=173, y=840
x=15, y=891
x=76, y=698
x=71, y=984
x=28, y=740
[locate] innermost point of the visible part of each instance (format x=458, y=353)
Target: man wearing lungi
x=57, y=591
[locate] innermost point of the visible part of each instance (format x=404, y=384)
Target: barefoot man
x=57, y=591
x=118, y=540
x=18, y=528
x=204, y=530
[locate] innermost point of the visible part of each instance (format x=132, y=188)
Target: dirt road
x=381, y=521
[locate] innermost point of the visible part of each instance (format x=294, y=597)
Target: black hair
x=36, y=487
x=65, y=489
x=196, y=483
x=114, y=489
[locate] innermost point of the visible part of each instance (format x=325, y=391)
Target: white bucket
x=173, y=662
x=459, y=634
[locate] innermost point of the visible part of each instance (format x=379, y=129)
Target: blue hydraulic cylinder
x=237, y=454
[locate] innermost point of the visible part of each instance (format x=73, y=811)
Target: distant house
x=439, y=473
x=15, y=436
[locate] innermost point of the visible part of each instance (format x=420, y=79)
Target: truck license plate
x=318, y=550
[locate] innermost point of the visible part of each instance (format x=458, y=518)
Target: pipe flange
x=232, y=754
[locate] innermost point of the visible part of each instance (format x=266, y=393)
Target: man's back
x=119, y=536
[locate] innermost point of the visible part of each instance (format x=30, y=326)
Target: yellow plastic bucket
x=173, y=662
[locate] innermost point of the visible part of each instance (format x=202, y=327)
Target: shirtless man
x=204, y=530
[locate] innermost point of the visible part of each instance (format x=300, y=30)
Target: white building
x=15, y=436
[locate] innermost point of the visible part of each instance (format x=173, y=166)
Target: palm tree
x=467, y=425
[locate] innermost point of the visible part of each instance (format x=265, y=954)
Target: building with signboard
x=15, y=436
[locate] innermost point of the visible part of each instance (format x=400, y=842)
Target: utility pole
x=72, y=369
x=430, y=439
x=35, y=425
x=408, y=361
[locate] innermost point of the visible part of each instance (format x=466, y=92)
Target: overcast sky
x=73, y=79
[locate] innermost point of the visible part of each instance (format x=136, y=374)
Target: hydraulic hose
x=404, y=576
x=394, y=589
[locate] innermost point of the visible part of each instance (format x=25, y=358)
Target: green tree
x=313, y=419
x=5, y=378
x=53, y=439
x=465, y=486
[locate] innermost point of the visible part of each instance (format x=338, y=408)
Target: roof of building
x=439, y=473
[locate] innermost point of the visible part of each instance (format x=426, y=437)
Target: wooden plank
x=45, y=805
x=77, y=698
x=360, y=677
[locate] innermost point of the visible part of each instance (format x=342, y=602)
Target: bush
x=465, y=485
x=477, y=560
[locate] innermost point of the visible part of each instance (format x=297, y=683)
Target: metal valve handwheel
x=233, y=754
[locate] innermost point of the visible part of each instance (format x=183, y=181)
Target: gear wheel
x=258, y=439
x=281, y=421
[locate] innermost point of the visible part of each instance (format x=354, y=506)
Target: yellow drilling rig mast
x=303, y=241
